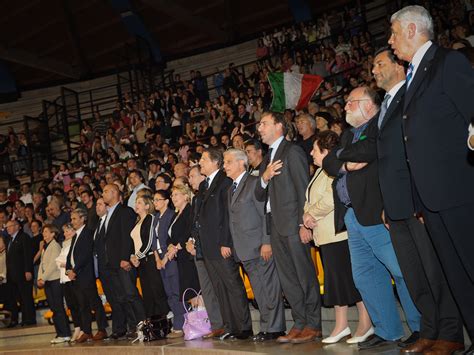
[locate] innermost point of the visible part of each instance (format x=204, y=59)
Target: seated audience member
x=48, y=277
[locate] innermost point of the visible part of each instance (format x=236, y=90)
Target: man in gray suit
x=284, y=176
x=252, y=245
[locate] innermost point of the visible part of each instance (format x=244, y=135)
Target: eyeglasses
x=159, y=199
x=350, y=101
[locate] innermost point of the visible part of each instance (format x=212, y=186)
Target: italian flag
x=291, y=90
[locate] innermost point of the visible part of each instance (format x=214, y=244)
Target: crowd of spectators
x=153, y=141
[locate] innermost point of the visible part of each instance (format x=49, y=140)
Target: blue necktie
x=234, y=187
x=383, y=109
x=409, y=73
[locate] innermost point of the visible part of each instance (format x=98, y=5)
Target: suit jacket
x=363, y=184
x=19, y=257
x=287, y=190
x=165, y=222
x=320, y=205
x=48, y=269
x=82, y=249
x=246, y=219
x=181, y=232
x=438, y=108
x=213, y=217
x=394, y=174
x=118, y=242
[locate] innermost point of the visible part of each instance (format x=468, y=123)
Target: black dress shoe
x=227, y=336
x=373, y=342
x=118, y=336
x=244, y=334
x=28, y=323
x=412, y=339
x=131, y=335
x=12, y=325
x=265, y=336
x=469, y=351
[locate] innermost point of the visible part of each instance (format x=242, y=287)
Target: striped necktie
x=234, y=187
x=409, y=74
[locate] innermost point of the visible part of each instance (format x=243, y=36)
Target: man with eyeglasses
x=358, y=205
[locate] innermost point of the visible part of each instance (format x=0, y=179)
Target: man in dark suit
x=80, y=270
x=358, y=205
x=20, y=275
x=252, y=245
x=415, y=253
x=118, y=247
x=284, y=175
x=437, y=110
x=216, y=243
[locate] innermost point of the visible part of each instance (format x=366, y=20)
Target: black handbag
x=153, y=329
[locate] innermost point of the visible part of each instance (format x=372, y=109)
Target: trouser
x=131, y=298
x=90, y=301
x=72, y=303
x=267, y=290
x=21, y=292
x=170, y=276
x=298, y=278
x=114, y=293
x=55, y=297
x=425, y=281
x=373, y=260
x=154, y=295
x=209, y=296
x=231, y=294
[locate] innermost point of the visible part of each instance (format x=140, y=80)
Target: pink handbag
x=196, y=322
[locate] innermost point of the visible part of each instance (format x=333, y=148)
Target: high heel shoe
x=355, y=340
x=337, y=337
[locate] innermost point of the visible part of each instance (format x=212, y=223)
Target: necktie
x=270, y=155
x=234, y=187
x=206, y=184
x=383, y=109
x=409, y=73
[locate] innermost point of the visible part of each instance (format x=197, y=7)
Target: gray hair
x=239, y=154
x=81, y=212
x=309, y=118
x=419, y=16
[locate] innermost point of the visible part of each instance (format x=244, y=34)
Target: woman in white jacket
x=48, y=277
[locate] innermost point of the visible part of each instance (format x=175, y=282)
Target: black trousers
x=153, y=292
x=21, y=292
x=114, y=293
x=54, y=295
x=451, y=232
x=231, y=294
x=89, y=301
x=72, y=303
x=130, y=298
x=425, y=281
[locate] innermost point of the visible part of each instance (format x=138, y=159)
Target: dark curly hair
x=327, y=140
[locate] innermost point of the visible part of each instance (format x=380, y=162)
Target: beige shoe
x=77, y=333
x=175, y=334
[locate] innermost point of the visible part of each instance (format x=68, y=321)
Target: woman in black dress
x=180, y=232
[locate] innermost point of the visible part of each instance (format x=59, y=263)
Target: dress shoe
x=420, y=346
x=444, y=347
x=373, y=342
x=362, y=338
x=227, y=336
x=412, y=339
x=28, y=323
x=265, y=336
x=216, y=333
x=76, y=334
x=307, y=334
x=118, y=336
x=12, y=325
x=100, y=335
x=469, y=351
x=293, y=333
x=174, y=334
x=245, y=334
x=334, y=339
x=83, y=338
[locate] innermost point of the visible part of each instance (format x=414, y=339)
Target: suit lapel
x=214, y=184
x=420, y=75
x=281, y=149
x=239, y=189
x=112, y=219
x=393, y=105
